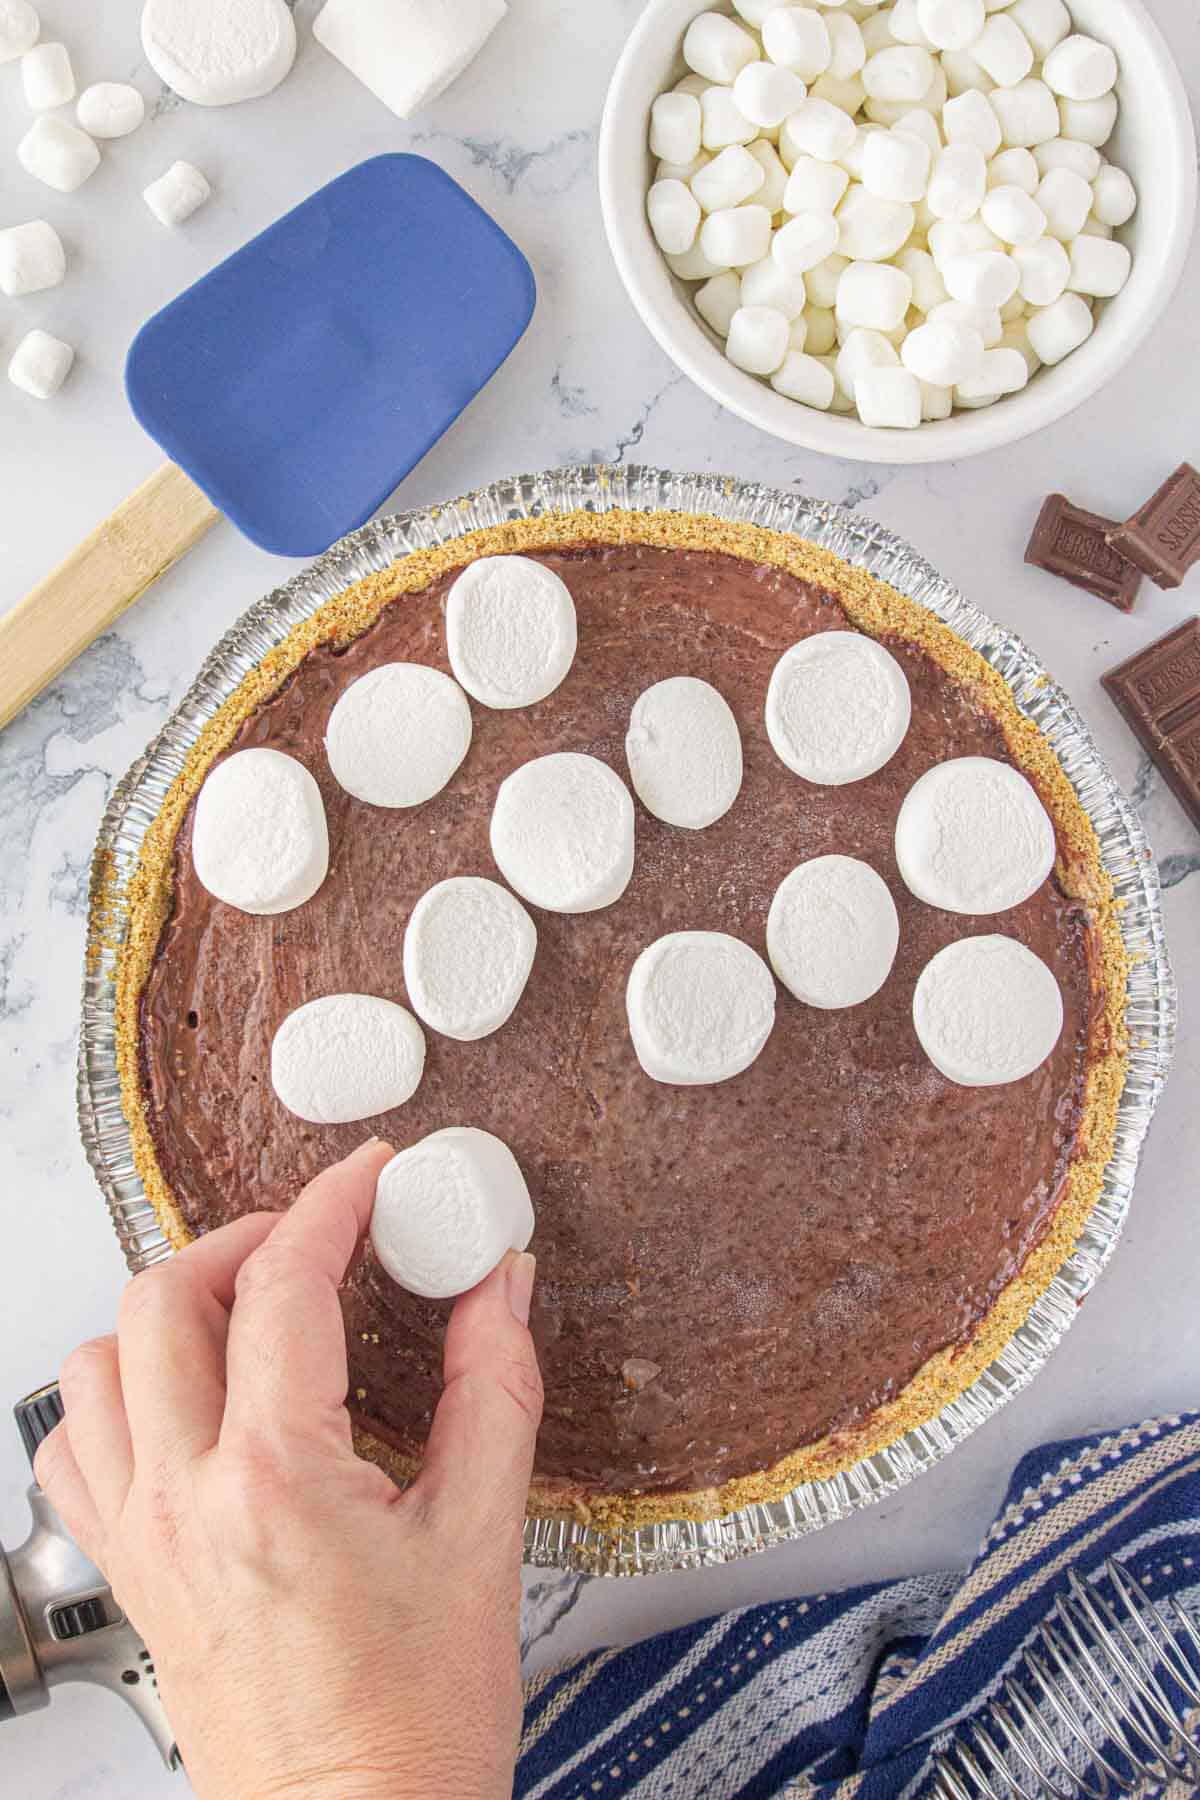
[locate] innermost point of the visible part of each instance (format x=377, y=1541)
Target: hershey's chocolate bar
x=1158, y=691
x=1073, y=544
x=1163, y=536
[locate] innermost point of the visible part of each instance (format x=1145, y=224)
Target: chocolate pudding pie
x=740, y=1286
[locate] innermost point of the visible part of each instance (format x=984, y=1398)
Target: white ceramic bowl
x=1153, y=141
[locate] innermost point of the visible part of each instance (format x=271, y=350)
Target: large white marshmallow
x=1080, y=68
x=562, y=833
x=259, y=837
x=675, y=127
x=58, y=153
x=896, y=165
x=110, y=109
x=47, y=77
x=806, y=240
x=701, y=1006
x=838, y=704
x=1057, y=329
x=717, y=47
x=987, y=1011
x=674, y=214
x=757, y=340
x=871, y=229
x=766, y=94
x=177, y=194
x=215, y=52
x=832, y=932
x=397, y=734
x=972, y=836
x=346, y=1057
x=40, y=364
x=684, y=752
x=736, y=235
x=510, y=630
x=727, y=179
x=31, y=258
x=873, y=295
x=19, y=28
x=447, y=1210
x=468, y=951
x=942, y=352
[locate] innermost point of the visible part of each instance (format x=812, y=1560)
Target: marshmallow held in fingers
x=447, y=1209
x=684, y=752
x=987, y=1011
x=832, y=932
x=562, y=833
x=510, y=629
x=838, y=706
x=259, y=837
x=397, y=734
x=973, y=837
x=468, y=951
x=701, y=1006
x=346, y=1057
x=216, y=52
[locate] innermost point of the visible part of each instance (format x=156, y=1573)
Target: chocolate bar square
x=1073, y=544
x=1158, y=692
x=1163, y=536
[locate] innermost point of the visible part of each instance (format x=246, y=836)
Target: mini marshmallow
x=215, y=52
x=802, y=377
x=675, y=127
x=970, y=119
x=701, y=1005
x=397, y=734
x=694, y=85
x=821, y=283
x=58, y=153
x=766, y=283
x=346, y=1057
x=19, y=28
x=562, y=833
x=814, y=186
x=1114, y=197
x=717, y=47
x=987, y=1011
x=873, y=295
x=1016, y=337
x=806, y=240
x=852, y=156
x=754, y=11
x=670, y=171
x=972, y=835
x=820, y=331
x=841, y=402
x=832, y=932
x=982, y=278
x=871, y=229
x=1013, y=215
x=693, y=265
x=922, y=124
x=942, y=352
x=736, y=235
x=1066, y=200
x=47, y=77
x=958, y=182
x=1099, y=266
x=775, y=176
x=936, y=402
x=1088, y=121
x=110, y=109
x=1044, y=22
x=1027, y=113
x=862, y=350
x=999, y=371
x=1014, y=168
x=1065, y=153
x=896, y=165
x=1003, y=51
x=796, y=38
x=31, y=258
x=766, y=94
x=847, y=96
x=955, y=237
x=1080, y=68
x=176, y=195
x=674, y=215
x=963, y=72
x=447, y=1210
x=1057, y=329
x=847, y=50
x=985, y=320
x=902, y=72
x=684, y=752
x=877, y=30
x=510, y=630
x=1093, y=227
x=838, y=703
x=951, y=24
x=758, y=339
x=722, y=120
x=928, y=288
x=468, y=950
x=1044, y=268
x=819, y=129
x=729, y=178
x=718, y=300
x=890, y=397
x=40, y=364
x=259, y=837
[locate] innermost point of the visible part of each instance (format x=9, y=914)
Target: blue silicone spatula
x=292, y=388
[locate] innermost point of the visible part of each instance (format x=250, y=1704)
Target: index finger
x=286, y=1367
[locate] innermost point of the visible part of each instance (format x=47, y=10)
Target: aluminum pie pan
x=565, y=1543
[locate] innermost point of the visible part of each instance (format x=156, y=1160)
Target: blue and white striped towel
x=851, y=1693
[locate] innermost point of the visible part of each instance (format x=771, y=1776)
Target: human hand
x=315, y=1630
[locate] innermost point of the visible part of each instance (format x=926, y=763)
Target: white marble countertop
x=519, y=131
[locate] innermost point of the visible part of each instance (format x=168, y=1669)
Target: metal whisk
x=1108, y=1697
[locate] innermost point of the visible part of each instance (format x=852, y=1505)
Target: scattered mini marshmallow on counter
x=47, y=77
x=176, y=195
x=987, y=1011
x=684, y=752
x=397, y=734
x=701, y=1006
x=19, y=28
x=832, y=932
x=259, y=837
x=562, y=833
x=216, y=52
x=110, y=109
x=346, y=1057
x=31, y=258
x=447, y=1209
x=58, y=153
x=510, y=630
x=40, y=364
x=468, y=950
x=973, y=837
x=838, y=705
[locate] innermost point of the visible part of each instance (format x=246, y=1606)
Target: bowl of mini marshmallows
x=898, y=233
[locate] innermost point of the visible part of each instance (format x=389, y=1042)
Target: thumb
x=480, y=1452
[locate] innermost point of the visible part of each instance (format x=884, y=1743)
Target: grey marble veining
x=587, y=382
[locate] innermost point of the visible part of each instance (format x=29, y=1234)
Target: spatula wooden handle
x=81, y=598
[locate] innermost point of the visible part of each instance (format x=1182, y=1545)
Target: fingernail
x=520, y=1286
